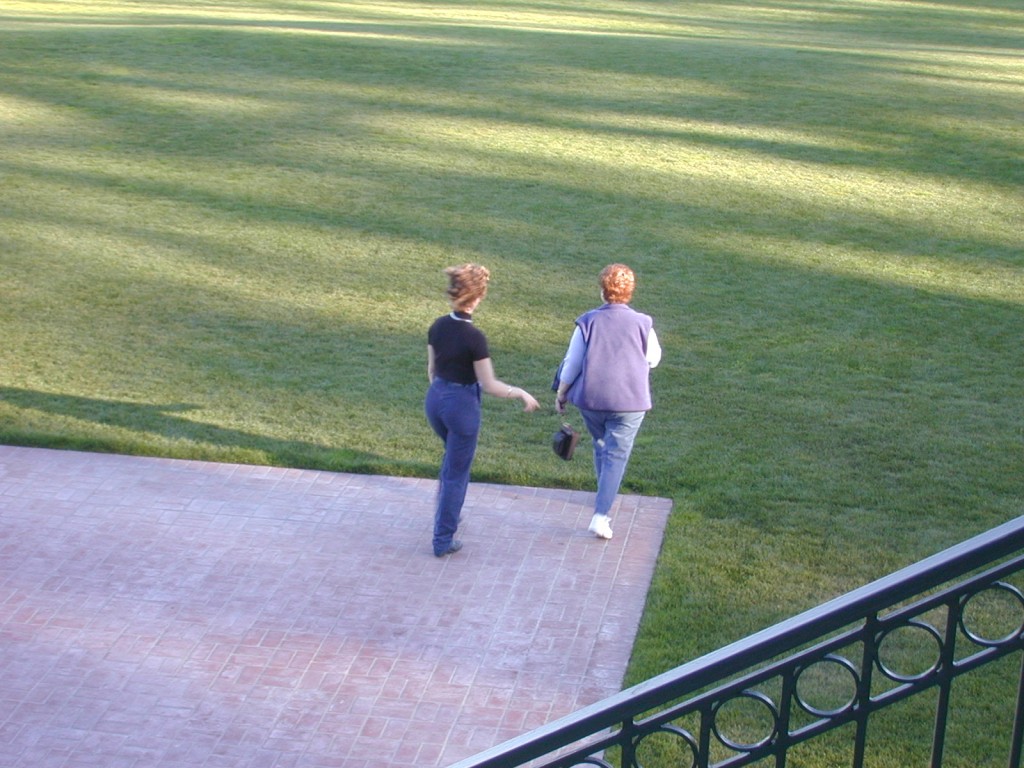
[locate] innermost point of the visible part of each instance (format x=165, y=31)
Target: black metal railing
x=815, y=681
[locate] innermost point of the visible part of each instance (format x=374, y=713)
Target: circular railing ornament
x=909, y=644
x=986, y=613
x=597, y=762
x=829, y=677
x=744, y=719
x=666, y=751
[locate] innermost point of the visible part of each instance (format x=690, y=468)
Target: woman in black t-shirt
x=459, y=368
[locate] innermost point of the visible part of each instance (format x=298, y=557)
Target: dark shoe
x=454, y=547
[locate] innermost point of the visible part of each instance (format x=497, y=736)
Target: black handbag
x=564, y=442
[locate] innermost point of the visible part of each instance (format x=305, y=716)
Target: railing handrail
x=954, y=562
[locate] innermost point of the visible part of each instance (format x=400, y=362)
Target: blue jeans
x=613, y=434
x=453, y=412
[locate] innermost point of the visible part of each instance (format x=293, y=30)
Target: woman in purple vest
x=606, y=374
x=459, y=368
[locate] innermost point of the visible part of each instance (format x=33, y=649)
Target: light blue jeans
x=613, y=434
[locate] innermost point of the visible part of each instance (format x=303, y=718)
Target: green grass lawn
x=223, y=228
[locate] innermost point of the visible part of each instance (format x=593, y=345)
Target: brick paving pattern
x=158, y=613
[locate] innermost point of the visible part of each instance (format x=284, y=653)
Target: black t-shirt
x=457, y=344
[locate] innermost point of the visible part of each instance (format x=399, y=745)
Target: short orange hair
x=617, y=284
x=466, y=284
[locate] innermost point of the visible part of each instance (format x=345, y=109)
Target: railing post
x=704, y=743
x=785, y=717
x=945, y=674
x=1017, y=743
x=867, y=665
x=627, y=743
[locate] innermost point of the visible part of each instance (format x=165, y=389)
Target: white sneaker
x=600, y=526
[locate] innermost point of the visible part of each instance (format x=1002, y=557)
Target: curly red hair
x=466, y=284
x=617, y=284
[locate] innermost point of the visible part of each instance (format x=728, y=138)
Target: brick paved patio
x=158, y=613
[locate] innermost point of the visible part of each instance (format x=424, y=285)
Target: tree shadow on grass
x=134, y=425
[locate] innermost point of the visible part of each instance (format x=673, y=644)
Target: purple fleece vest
x=616, y=375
